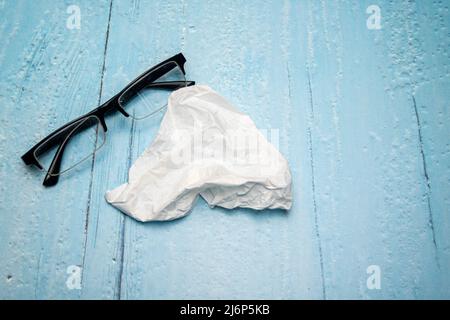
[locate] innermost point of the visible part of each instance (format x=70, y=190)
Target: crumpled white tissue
x=204, y=147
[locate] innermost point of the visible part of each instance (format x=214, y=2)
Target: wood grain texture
x=50, y=74
x=362, y=117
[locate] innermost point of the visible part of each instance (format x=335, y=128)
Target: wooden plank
x=432, y=111
x=49, y=75
x=432, y=107
x=241, y=253
x=368, y=177
x=108, y=228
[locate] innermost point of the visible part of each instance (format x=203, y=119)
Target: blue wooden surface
x=363, y=117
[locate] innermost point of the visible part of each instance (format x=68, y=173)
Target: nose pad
x=103, y=123
x=122, y=111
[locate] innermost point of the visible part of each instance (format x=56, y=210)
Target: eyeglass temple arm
x=171, y=85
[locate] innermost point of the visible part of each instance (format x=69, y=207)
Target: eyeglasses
x=79, y=139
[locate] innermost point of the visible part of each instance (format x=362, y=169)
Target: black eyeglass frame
x=62, y=135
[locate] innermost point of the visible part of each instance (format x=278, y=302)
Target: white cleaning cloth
x=204, y=147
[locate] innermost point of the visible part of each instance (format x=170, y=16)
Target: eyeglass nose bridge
x=101, y=117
